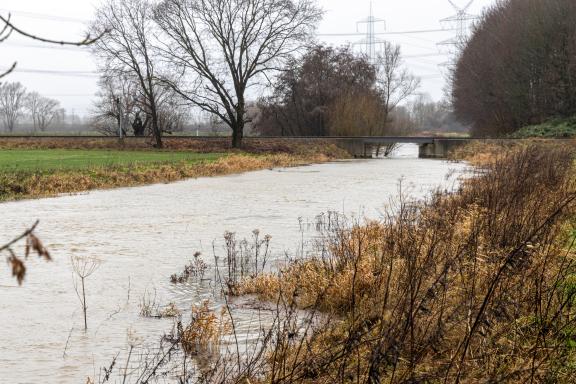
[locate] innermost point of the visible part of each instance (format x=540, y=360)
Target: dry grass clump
x=195, y=269
x=205, y=331
x=479, y=286
x=17, y=185
x=479, y=153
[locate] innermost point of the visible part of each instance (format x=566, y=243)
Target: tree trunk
x=155, y=128
x=237, y=135
x=238, y=124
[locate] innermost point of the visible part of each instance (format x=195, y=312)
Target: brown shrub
x=478, y=286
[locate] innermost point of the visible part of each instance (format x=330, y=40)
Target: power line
x=42, y=16
x=70, y=95
x=386, y=33
x=52, y=47
x=424, y=55
x=86, y=74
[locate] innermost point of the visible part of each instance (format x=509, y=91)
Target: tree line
x=209, y=53
x=17, y=103
x=160, y=61
x=518, y=68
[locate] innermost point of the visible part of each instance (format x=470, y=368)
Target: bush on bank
x=476, y=286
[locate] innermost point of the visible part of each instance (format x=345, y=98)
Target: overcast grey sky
x=69, y=72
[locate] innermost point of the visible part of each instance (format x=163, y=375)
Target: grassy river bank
x=33, y=169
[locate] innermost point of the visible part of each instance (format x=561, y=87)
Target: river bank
x=476, y=286
x=68, y=175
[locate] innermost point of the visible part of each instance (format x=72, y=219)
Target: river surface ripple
x=145, y=234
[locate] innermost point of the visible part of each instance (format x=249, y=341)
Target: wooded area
x=519, y=67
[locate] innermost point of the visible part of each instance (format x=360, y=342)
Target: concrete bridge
x=429, y=147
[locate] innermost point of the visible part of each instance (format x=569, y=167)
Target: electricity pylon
x=371, y=42
x=460, y=22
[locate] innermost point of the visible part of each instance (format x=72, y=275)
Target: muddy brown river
x=143, y=235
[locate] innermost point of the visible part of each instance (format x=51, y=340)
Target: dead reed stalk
x=474, y=286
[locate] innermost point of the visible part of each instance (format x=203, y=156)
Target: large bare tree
x=126, y=50
x=12, y=103
x=223, y=47
x=395, y=82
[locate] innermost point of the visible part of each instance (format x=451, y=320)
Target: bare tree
x=12, y=102
x=115, y=92
x=119, y=91
x=335, y=91
x=394, y=80
x=43, y=110
x=224, y=46
x=312, y=88
x=126, y=50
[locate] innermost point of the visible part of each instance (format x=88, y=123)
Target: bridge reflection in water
x=429, y=147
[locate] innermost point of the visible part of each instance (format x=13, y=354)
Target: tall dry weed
x=477, y=286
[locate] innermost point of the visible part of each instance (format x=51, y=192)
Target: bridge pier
x=430, y=151
x=439, y=148
x=358, y=148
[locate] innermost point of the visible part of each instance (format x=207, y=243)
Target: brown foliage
x=475, y=286
x=33, y=243
x=519, y=67
x=333, y=91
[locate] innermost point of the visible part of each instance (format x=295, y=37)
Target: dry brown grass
x=479, y=286
x=205, y=331
x=480, y=153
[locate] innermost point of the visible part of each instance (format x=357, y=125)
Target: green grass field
x=62, y=159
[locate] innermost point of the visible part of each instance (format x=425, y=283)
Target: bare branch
x=22, y=236
x=87, y=41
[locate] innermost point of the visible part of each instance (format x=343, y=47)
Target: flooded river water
x=145, y=234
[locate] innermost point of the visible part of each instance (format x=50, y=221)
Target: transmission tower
x=371, y=42
x=460, y=22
